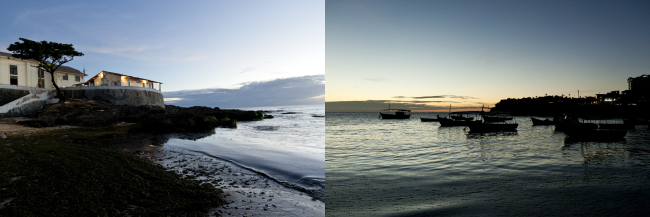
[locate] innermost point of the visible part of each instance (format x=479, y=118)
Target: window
x=65, y=77
x=77, y=78
x=41, y=78
x=13, y=71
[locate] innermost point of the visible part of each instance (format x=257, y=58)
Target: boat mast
x=449, y=110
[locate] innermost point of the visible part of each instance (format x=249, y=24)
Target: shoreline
x=246, y=192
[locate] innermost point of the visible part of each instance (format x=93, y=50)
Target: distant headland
x=628, y=103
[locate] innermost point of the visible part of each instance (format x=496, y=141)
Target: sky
x=428, y=55
x=189, y=46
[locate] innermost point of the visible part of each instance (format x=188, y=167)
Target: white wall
x=28, y=75
x=66, y=83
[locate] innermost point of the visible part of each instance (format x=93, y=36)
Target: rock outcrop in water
x=149, y=119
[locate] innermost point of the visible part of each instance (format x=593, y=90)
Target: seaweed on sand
x=49, y=174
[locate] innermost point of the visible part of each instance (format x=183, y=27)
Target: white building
x=106, y=78
x=22, y=73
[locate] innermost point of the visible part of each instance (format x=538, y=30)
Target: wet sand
x=9, y=126
x=248, y=193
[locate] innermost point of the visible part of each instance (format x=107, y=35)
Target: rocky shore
x=148, y=119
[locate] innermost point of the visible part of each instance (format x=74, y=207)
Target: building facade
x=106, y=78
x=20, y=72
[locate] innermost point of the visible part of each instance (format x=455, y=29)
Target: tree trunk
x=58, y=92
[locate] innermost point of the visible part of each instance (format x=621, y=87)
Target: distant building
x=20, y=72
x=106, y=78
x=638, y=89
x=610, y=98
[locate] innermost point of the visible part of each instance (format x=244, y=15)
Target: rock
x=149, y=119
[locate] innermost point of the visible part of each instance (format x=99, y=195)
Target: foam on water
x=289, y=148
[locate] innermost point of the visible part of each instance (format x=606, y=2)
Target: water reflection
x=408, y=167
x=491, y=135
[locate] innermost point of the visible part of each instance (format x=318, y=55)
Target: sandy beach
x=9, y=126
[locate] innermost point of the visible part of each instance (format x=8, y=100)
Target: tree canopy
x=49, y=55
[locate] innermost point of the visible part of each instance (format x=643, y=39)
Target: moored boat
x=464, y=121
x=395, y=113
x=541, y=122
x=451, y=122
x=572, y=123
x=616, y=126
x=493, y=127
x=594, y=134
x=438, y=118
x=636, y=121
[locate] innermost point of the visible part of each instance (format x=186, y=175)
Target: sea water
x=288, y=148
x=378, y=167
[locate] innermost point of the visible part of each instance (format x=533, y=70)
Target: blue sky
x=478, y=52
x=186, y=45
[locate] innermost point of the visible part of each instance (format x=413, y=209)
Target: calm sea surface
x=412, y=168
x=288, y=148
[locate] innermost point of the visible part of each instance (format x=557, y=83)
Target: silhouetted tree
x=49, y=55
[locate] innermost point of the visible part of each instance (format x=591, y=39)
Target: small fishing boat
x=616, y=126
x=594, y=134
x=636, y=121
x=537, y=122
x=395, y=113
x=438, y=118
x=458, y=119
x=608, y=123
x=493, y=127
x=451, y=123
x=572, y=123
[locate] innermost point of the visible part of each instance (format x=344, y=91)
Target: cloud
x=302, y=90
x=253, y=68
x=377, y=79
x=130, y=51
x=378, y=105
x=192, y=57
x=248, y=69
x=439, y=96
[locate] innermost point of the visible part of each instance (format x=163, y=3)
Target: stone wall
x=7, y=95
x=27, y=109
x=117, y=95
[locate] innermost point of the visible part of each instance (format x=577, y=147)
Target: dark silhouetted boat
x=432, y=119
x=636, y=121
x=608, y=123
x=459, y=117
x=504, y=124
x=493, y=127
x=616, y=126
x=460, y=121
x=594, y=134
x=537, y=122
x=572, y=123
x=395, y=113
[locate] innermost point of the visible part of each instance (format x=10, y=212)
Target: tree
x=49, y=55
